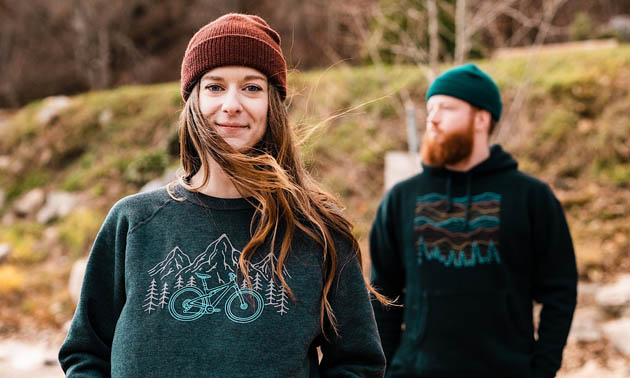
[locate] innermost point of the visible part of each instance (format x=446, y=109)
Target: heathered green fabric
x=470, y=84
x=132, y=319
x=467, y=263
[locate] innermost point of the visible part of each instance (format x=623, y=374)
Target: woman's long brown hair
x=285, y=195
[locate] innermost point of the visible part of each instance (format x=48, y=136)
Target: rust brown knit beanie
x=235, y=40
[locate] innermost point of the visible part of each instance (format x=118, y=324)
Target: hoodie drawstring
x=449, y=200
x=468, y=199
x=449, y=204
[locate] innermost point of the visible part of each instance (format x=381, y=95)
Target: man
x=466, y=246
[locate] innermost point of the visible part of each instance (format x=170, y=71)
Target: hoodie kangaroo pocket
x=416, y=324
x=475, y=329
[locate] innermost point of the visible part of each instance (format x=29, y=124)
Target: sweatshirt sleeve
x=87, y=347
x=554, y=283
x=388, y=275
x=356, y=351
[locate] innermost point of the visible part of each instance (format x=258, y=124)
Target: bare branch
x=549, y=12
x=434, y=40
x=461, y=35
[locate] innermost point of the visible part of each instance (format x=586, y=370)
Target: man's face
x=449, y=136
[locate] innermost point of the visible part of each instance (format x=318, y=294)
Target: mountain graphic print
x=452, y=239
x=189, y=286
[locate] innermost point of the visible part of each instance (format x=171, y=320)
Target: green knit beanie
x=470, y=84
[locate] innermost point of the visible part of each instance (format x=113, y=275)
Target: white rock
x=30, y=202
x=76, y=279
x=618, y=332
x=615, y=298
x=15, y=166
x=585, y=325
x=51, y=234
x=5, y=251
x=8, y=219
x=51, y=107
x=400, y=166
x=58, y=205
x=168, y=176
x=105, y=116
x=5, y=162
x=45, y=156
x=587, y=291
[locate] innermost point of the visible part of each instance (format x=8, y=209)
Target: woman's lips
x=231, y=125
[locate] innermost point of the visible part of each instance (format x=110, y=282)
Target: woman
x=244, y=266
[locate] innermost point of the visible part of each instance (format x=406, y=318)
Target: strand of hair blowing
x=271, y=172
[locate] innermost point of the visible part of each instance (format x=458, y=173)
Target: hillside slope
x=573, y=132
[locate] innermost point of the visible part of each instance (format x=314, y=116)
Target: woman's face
x=234, y=100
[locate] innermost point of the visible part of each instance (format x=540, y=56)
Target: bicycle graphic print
x=190, y=303
x=177, y=270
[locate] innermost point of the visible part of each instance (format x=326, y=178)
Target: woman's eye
x=213, y=87
x=253, y=88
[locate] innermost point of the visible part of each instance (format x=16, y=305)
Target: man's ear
x=482, y=120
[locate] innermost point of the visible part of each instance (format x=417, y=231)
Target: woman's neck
x=219, y=184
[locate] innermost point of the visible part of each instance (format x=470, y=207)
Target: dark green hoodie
x=466, y=253
x=163, y=297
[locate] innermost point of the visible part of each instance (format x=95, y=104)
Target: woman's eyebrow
x=246, y=78
x=255, y=77
x=213, y=78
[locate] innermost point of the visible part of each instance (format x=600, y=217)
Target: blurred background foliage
x=572, y=132
x=100, y=44
x=355, y=69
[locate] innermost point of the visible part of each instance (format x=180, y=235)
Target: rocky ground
x=599, y=342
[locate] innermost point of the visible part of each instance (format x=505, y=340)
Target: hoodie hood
x=497, y=162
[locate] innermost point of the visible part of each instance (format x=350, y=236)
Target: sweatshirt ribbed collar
x=207, y=201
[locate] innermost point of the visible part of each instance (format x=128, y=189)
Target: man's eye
x=213, y=87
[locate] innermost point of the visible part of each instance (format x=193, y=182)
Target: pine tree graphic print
x=189, y=287
x=455, y=236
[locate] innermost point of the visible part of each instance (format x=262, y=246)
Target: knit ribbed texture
x=234, y=40
x=470, y=84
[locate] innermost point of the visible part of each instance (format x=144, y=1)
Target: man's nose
x=433, y=117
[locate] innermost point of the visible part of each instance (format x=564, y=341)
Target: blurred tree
x=582, y=27
x=67, y=46
x=469, y=22
x=426, y=32
x=399, y=31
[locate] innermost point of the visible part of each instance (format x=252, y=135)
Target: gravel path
x=25, y=359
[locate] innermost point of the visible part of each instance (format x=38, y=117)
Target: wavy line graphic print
x=445, y=237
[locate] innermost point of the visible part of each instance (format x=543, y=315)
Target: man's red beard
x=447, y=148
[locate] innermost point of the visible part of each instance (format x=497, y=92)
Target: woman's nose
x=232, y=103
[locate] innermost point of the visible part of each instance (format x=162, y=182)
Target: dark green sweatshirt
x=467, y=253
x=163, y=297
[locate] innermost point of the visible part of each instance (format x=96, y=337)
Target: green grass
x=24, y=238
x=77, y=229
x=29, y=180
